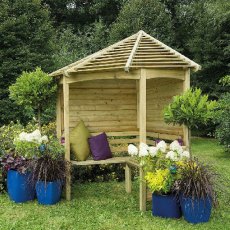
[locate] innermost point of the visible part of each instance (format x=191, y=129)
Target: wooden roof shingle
x=137, y=51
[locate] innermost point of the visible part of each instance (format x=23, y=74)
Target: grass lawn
x=107, y=206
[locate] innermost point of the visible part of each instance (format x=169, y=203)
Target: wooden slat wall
x=159, y=93
x=104, y=105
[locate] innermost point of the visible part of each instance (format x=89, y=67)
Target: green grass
x=107, y=206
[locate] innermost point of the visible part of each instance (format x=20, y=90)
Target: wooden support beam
x=186, y=86
x=143, y=191
x=142, y=106
x=137, y=88
x=132, y=54
x=58, y=113
x=128, y=181
x=142, y=133
x=66, y=131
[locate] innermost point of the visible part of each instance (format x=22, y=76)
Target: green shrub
x=191, y=109
x=34, y=91
x=223, y=116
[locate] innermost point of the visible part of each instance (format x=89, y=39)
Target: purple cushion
x=99, y=147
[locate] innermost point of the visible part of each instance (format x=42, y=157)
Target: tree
x=72, y=46
x=78, y=13
x=191, y=109
x=26, y=41
x=222, y=116
x=209, y=44
x=147, y=15
x=34, y=91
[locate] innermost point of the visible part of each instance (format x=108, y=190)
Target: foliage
x=209, y=43
x=223, y=118
x=147, y=15
x=26, y=149
x=7, y=135
x=160, y=181
x=66, y=12
x=26, y=41
x=71, y=46
x=197, y=181
x=10, y=132
x=99, y=173
x=14, y=162
x=34, y=91
x=2, y=181
x=191, y=109
x=159, y=164
x=49, y=130
x=49, y=169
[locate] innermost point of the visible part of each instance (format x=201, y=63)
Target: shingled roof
x=137, y=51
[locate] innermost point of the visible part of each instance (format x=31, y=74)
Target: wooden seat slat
x=113, y=160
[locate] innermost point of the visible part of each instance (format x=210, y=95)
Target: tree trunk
x=189, y=142
x=39, y=119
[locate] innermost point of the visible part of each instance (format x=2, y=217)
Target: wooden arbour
x=123, y=89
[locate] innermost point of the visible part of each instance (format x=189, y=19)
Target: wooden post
x=58, y=113
x=142, y=133
x=137, y=90
x=142, y=106
x=186, y=86
x=66, y=131
x=128, y=179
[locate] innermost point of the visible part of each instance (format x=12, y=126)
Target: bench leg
x=128, y=182
x=68, y=185
x=142, y=191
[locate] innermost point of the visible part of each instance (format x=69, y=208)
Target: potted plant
x=191, y=109
x=160, y=166
x=17, y=165
x=18, y=176
x=49, y=173
x=195, y=188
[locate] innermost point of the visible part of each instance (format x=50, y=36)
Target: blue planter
x=48, y=193
x=19, y=188
x=165, y=206
x=196, y=211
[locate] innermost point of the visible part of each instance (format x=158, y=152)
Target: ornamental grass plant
x=197, y=181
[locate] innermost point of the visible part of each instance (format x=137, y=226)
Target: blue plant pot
x=165, y=206
x=48, y=193
x=196, y=211
x=19, y=188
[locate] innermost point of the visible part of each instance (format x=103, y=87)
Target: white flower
x=162, y=146
x=153, y=151
x=172, y=155
x=132, y=150
x=44, y=139
x=23, y=136
x=143, y=150
x=185, y=154
x=36, y=136
x=175, y=146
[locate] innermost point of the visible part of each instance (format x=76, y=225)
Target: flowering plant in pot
x=196, y=189
x=161, y=164
x=49, y=172
x=17, y=167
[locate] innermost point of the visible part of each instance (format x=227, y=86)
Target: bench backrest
x=119, y=141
